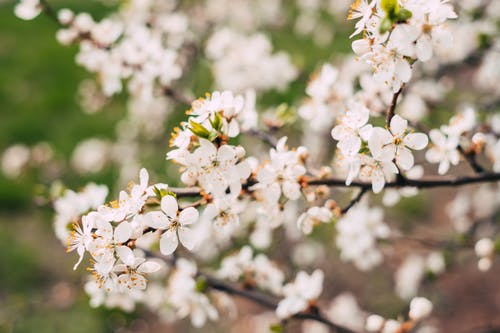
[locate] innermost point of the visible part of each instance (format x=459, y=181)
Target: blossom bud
x=484, y=247
x=420, y=308
x=374, y=323
x=65, y=16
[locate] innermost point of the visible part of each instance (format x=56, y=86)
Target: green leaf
x=276, y=328
x=198, y=129
x=162, y=193
x=385, y=25
x=216, y=122
x=201, y=284
x=403, y=15
x=391, y=8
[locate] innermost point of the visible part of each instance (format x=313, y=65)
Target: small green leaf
x=198, y=129
x=162, y=193
x=391, y=7
x=216, y=122
x=201, y=284
x=276, y=328
x=403, y=15
x=385, y=25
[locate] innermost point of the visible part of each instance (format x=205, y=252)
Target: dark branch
x=265, y=136
x=355, y=200
x=429, y=182
x=470, y=157
x=49, y=11
x=176, y=96
x=269, y=302
x=391, y=111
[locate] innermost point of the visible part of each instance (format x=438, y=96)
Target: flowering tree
x=193, y=250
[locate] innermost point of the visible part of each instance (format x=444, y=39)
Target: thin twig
x=176, y=96
x=49, y=11
x=265, y=136
x=269, y=302
x=391, y=111
x=355, y=200
x=470, y=157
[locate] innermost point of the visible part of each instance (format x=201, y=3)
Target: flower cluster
x=258, y=270
x=372, y=153
x=358, y=231
x=395, y=36
x=420, y=308
x=237, y=69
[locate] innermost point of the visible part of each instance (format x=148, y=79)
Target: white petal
x=291, y=190
x=188, y=216
x=398, y=125
x=148, y=267
x=444, y=166
x=126, y=255
x=416, y=141
x=378, y=181
x=424, y=48
x=404, y=158
x=169, y=206
x=156, y=220
x=123, y=232
x=168, y=242
x=188, y=238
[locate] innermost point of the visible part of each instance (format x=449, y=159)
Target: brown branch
x=470, y=157
x=265, y=136
x=355, y=200
x=391, y=111
x=268, y=301
x=176, y=96
x=49, y=11
x=429, y=182
x=255, y=296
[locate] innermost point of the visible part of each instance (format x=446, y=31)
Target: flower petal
x=168, y=242
x=188, y=216
x=404, y=158
x=156, y=220
x=169, y=206
x=148, y=267
x=398, y=125
x=188, y=238
x=123, y=232
x=416, y=141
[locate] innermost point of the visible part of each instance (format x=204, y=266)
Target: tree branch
x=391, y=111
x=268, y=301
x=429, y=182
x=470, y=157
x=355, y=200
